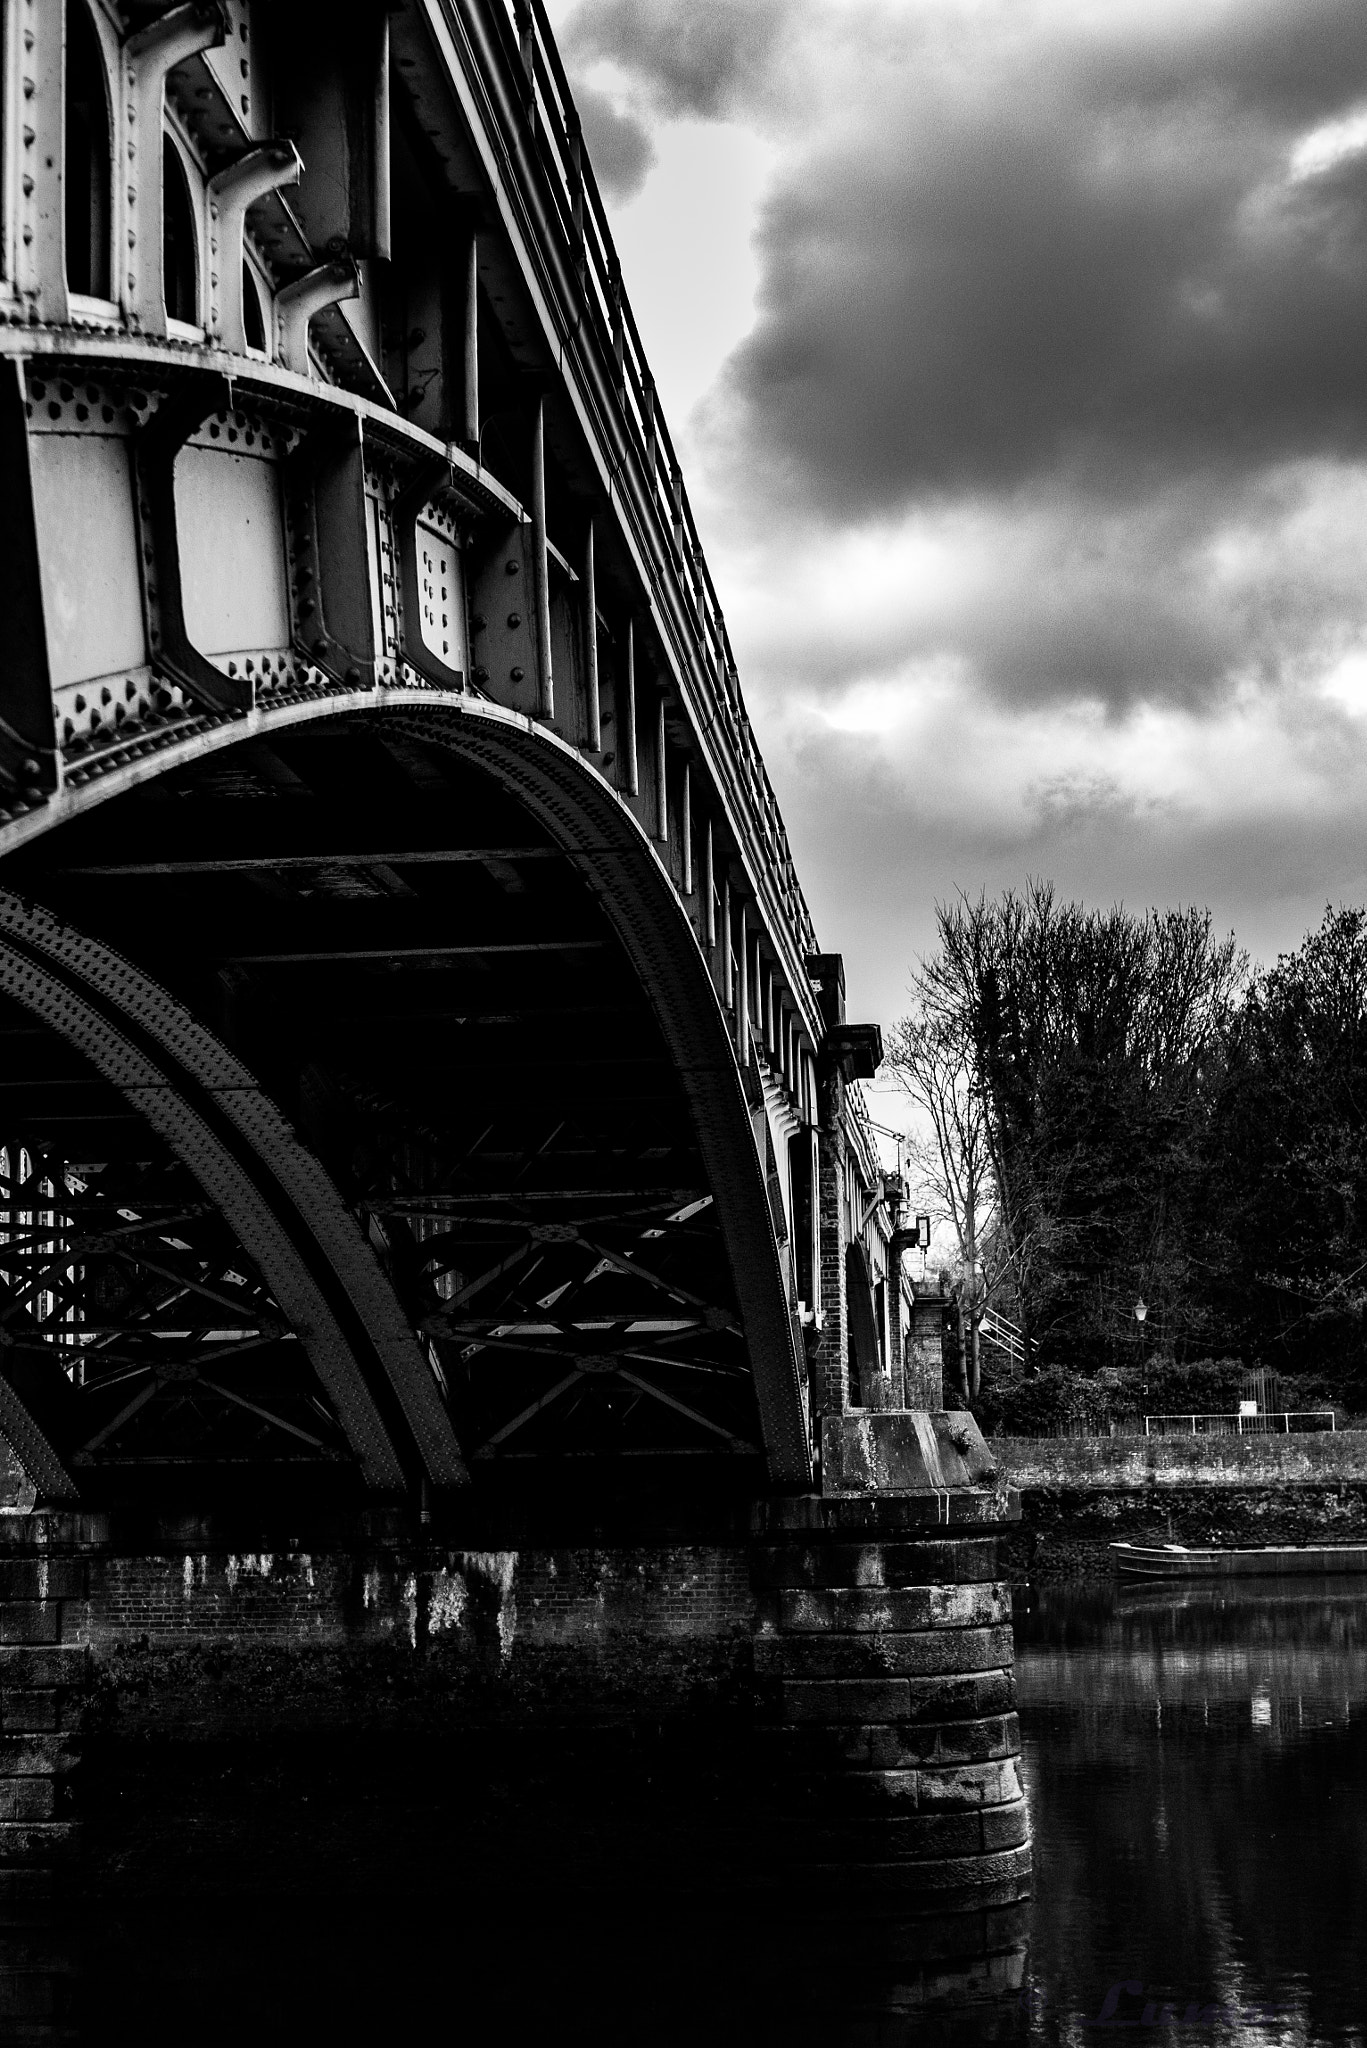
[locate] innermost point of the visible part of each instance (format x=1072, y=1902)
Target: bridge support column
x=43, y=1682
x=885, y=1677
x=923, y=1367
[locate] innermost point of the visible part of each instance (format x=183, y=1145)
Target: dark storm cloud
x=1090, y=262
x=1042, y=475
x=619, y=148
x=701, y=57
x=1040, y=275
x=1249, y=52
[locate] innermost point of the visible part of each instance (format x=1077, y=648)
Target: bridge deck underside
x=432, y=995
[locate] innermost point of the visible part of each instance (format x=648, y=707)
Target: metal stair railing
x=1003, y=1336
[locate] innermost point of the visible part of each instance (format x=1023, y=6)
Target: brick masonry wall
x=220, y=1642
x=830, y=1377
x=540, y=1597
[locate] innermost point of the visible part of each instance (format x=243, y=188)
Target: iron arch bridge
x=417, y=1064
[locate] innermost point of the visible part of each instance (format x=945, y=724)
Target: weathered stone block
x=27, y=1798
x=973, y=1697
x=909, y=1450
x=968, y=1785
x=847, y=1699
x=878, y=1563
x=41, y=1578
x=984, y=1881
x=31, y=2002
x=26, y=1890
x=45, y=1843
x=38, y=1712
x=30, y=1621
x=850, y=1792
x=868, y=1608
x=863, y=1838
x=22, y=1665
x=1005, y=1827
x=886, y=1517
x=943, y=1744
x=24, y=1756
x=924, y=1653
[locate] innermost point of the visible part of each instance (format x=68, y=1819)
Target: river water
x=1197, y=1768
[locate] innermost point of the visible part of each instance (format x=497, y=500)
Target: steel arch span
x=419, y=1061
x=502, y=1052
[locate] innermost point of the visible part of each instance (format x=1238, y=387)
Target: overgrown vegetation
x=1117, y=1112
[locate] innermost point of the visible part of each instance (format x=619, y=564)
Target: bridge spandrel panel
x=441, y=590
x=88, y=551
x=230, y=528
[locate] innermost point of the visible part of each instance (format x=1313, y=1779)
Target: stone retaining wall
x=1315, y=1459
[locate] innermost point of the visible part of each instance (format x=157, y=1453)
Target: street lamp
x=1141, y=1310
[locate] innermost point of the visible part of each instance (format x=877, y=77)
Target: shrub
x=1061, y=1402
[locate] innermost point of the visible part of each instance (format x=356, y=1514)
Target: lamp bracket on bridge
x=856, y=1049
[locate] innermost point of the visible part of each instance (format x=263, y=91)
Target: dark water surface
x=1197, y=1768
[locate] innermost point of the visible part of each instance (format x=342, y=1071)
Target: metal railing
x=583, y=219
x=1005, y=1336
x=1287, y=1422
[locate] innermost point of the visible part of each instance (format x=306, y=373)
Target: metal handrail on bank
x=1284, y=1423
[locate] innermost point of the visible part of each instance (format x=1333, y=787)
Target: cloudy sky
x=1017, y=351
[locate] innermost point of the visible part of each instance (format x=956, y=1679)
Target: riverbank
x=1081, y=1494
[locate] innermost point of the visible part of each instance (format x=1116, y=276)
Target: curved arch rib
x=210, y=1110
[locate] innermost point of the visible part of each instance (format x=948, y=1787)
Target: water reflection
x=1197, y=1764
x=344, y=1893
x=529, y=1968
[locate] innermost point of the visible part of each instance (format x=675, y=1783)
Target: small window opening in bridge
x=178, y=253
x=88, y=165
x=253, y=319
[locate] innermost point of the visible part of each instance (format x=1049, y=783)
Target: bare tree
x=933, y=1058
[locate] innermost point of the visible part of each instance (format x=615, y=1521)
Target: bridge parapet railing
x=555, y=125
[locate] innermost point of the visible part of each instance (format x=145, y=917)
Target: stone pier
x=883, y=1661
x=838, y=1666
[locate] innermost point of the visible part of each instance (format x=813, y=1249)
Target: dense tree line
x=1116, y=1110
